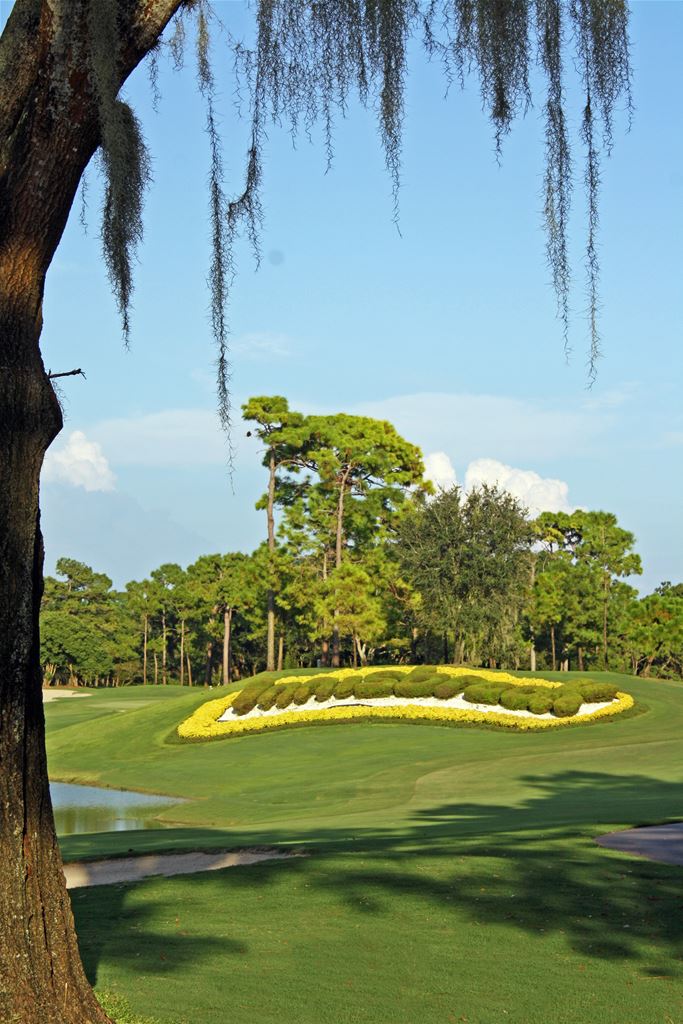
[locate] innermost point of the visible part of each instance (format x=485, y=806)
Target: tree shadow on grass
x=115, y=922
x=532, y=868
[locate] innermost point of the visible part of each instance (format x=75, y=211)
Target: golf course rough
x=205, y=723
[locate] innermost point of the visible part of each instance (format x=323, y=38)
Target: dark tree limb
x=67, y=373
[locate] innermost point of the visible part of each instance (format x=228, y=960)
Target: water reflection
x=91, y=809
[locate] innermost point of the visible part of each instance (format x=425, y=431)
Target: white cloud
x=260, y=345
x=174, y=437
x=511, y=429
x=81, y=463
x=439, y=469
x=539, y=494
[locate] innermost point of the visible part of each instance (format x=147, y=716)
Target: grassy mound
x=500, y=691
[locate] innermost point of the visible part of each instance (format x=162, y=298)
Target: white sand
x=392, y=702
x=53, y=693
x=131, y=869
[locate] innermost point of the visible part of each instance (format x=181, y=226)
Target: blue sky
x=447, y=329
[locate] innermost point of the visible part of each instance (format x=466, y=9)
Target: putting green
x=454, y=876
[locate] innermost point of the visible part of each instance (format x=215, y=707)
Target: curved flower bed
x=217, y=718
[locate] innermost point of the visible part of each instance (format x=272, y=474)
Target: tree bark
x=41, y=977
x=280, y=652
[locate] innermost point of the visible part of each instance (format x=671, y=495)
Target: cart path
x=663, y=843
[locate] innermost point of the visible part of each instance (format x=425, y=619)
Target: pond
x=91, y=809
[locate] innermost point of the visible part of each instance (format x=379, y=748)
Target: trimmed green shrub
x=595, y=692
x=541, y=701
x=247, y=699
x=371, y=687
x=567, y=703
x=472, y=680
x=303, y=692
x=268, y=698
x=515, y=699
x=483, y=693
x=345, y=687
x=286, y=695
x=323, y=691
x=385, y=674
x=421, y=673
x=417, y=688
x=446, y=689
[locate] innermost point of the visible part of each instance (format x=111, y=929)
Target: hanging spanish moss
x=123, y=157
x=221, y=263
x=309, y=56
x=307, y=60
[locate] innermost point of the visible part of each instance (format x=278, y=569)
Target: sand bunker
x=55, y=694
x=132, y=869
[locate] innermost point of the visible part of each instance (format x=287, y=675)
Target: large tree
x=468, y=556
x=62, y=64
x=284, y=435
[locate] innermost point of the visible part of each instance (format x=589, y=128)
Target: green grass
x=453, y=877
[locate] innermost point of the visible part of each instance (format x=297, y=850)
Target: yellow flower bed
x=204, y=724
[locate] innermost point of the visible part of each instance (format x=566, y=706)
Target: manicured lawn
x=453, y=876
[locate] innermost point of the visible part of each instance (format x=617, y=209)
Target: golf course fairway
x=452, y=873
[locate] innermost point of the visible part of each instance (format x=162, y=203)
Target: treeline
x=363, y=563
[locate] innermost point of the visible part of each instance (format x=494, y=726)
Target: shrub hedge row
x=562, y=701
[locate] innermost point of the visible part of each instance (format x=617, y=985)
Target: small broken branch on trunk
x=66, y=373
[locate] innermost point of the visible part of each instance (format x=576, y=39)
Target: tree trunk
x=552, y=646
x=227, y=652
x=48, y=133
x=338, y=548
x=189, y=671
x=182, y=652
x=156, y=669
x=445, y=648
x=605, y=659
x=579, y=656
x=532, y=657
x=41, y=977
x=144, y=653
x=208, y=671
x=270, y=512
x=163, y=648
x=280, y=652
